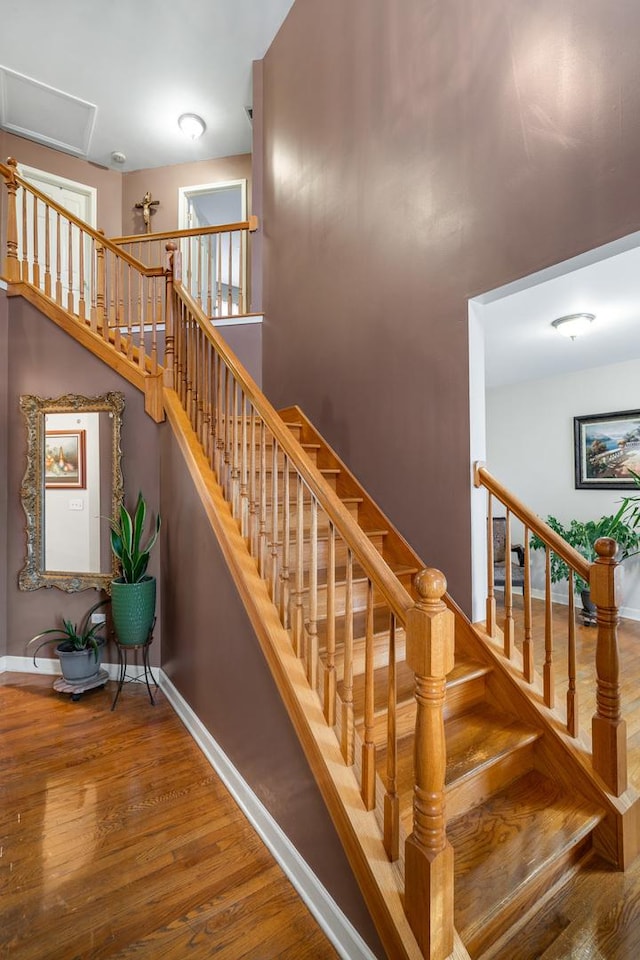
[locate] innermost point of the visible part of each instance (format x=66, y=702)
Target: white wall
x=530, y=447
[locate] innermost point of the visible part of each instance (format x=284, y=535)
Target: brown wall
x=45, y=361
x=107, y=182
x=417, y=154
x=4, y=436
x=163, y=183
x=211, y=654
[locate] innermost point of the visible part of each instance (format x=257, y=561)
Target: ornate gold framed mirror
x=72, y=485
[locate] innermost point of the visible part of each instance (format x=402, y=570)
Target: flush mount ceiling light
x=574, y=324
x=192, y=125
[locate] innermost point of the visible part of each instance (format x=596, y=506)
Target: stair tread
x=503, y=844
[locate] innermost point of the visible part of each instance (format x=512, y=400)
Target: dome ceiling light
x=574, y=324
x=192, y=125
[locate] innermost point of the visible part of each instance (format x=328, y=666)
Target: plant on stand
x=78, y=646
x=133, y=595
x=582, y=536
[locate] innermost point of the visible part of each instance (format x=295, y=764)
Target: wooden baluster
x=129, y=307
x=36, y=264
x=572, y=692
x=172, y=261
x=286, y=543
x=241, y=242
x=244, y=469
x=47, y=250
x=228, y=434
x=368, y=788
x=275, y=514
x=330, y=667
x=491, y=595
x=155, y=324
x=209, y=278
x=189, y=277
x=235, y=453
x=509, y=626
x=82, y=304
x=11, y=262
x=347, y=725
x=219, y=274
x=100, y=285
x=253, y=518
x=608, y=729
x=139, y=302
x=527, y=647
x=548, y=672
x=199, y=299
x=428, y=854
x=58, y=262
x=391, y=799
x=220, y=420
x=262, y=548
x=70, y=300
x=230, y=279
x=25, y=238
x=298, y=611
x=312, y=626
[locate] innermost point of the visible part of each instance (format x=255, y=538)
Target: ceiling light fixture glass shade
x=192, y=125
x=574, y=324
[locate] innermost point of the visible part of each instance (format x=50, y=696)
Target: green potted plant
x=582, y=535
x=79, y=646
x=133, y=595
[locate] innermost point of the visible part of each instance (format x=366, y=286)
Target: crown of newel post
x=172, y=273
x=608, y=729
x=11, y=265
x=428, y=854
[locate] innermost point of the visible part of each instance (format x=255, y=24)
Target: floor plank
x=117, y=840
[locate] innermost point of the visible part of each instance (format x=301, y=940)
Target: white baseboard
x=627, y=613
x=338, y=929
x=51, y=668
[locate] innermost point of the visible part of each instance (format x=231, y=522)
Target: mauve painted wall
x=163, y=183
x=4, y=435
x=211, y=654
x=417, y=154
x=44, y=360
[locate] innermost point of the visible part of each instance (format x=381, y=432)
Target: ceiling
x=521, y=344
x=118, y=74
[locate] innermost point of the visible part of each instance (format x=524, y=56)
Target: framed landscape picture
x=64, y=459
x=607, y=450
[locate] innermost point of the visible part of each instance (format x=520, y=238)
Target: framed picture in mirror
x=65, y=459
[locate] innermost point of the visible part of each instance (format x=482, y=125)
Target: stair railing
x=608, y=728
x=297, y=528
x=215, y=262
x=104, y=288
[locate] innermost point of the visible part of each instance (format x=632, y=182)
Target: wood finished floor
x=118, y=840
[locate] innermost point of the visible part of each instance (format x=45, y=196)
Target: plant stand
x=78, y=687
x=123, y=651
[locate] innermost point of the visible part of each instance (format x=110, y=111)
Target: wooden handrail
x=251, y=225
x=398, y=599
x=575, y=560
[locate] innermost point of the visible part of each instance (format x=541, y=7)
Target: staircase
x=460, y=797
x=515, y=831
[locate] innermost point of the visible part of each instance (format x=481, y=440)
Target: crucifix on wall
x=147, y=206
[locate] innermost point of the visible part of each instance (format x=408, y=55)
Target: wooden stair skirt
x=516, y=833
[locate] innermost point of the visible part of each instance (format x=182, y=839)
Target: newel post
x=428, y=853
x=608, y=729
x=11, y=265
x=172, y=272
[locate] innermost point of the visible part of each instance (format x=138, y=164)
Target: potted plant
x=133, y=595
x=582, y=535
x=79, y=647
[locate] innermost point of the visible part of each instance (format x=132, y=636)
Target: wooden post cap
x=431, y=585
x=606, y=547
x=430, y=627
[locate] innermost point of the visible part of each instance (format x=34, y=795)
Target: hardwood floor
x=118, y=840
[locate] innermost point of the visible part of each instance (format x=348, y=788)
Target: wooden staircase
x=517, y=833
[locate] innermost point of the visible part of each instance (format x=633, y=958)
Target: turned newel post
x=608, y=729
x=172, y=272
x=101, y=284
x=428, y=854
x=11, y=265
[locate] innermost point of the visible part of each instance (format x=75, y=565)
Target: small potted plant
x=582, y=535
x=133, y=595
x=79, y=647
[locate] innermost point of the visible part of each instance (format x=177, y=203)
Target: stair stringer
x=379, y=880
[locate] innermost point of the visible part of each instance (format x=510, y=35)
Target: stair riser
x=323, y=521
x=340, y=551
x=463, y=796
x=329, y=476
x=463, y=696
x=359, y=595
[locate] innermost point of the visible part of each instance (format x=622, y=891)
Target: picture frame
x=65, y=460
x=607, y=450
